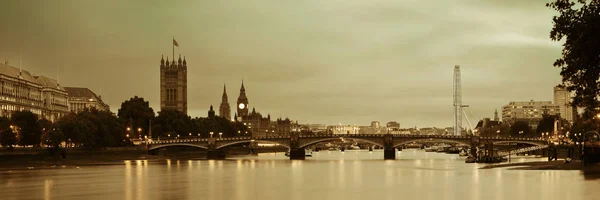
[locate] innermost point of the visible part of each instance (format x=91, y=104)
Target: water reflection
x=326, y=175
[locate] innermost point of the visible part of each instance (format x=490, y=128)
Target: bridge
x=297, y=143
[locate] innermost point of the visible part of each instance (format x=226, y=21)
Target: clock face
x=242, y=106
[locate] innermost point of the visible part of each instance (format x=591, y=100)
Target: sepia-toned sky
x=316, y=61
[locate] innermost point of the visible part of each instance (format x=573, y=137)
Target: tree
x=54, y=138
x=92, y=128
x=28, y=128
x=546, y=125
x=578, y=23
x=520, y=129
x=173, y=122
x=136, y=113
x=7, y=137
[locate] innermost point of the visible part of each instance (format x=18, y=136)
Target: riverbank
x=41, y=159
x=547, y=165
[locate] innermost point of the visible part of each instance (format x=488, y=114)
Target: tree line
x=93, y=128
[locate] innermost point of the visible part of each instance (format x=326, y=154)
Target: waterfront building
x=21, y=91
x=173, y=84
x=54, y=99
x=530, y=111
x=258, y=125
x=283, y=127
x=562, y=98
x=82, y=98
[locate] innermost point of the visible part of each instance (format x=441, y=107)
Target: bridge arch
x=303, y=145
x=154, y=147
x=441, y=140
x=251, y=140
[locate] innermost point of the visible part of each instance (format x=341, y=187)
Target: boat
x=442, y=149
x=471, y=159
x=308, y=152
x=431, y=149
x=463, y=152
x=453, y=150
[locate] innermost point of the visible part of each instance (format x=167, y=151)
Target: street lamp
x=211, y=134
x=140, y=132
x=220, y=135
x=190, y=134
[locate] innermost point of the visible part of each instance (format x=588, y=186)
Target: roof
x=48, y=82
x=489, y=124
x=76, y=92
x=14, y=72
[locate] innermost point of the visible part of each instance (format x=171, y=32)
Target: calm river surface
x=327, y=175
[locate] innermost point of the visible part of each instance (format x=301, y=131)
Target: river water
x=327, y=175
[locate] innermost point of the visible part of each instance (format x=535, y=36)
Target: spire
x=211, y=112
x=167, y=63
x=162, y=59
x=184, y=61
x=57, y=76
x=242, y=89
x=496, y=115
x=20, y=68
x=224, y=88
x=179, y=61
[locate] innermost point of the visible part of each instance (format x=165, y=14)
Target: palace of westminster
x=173, y=95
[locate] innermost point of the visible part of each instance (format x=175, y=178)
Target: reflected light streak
x=128, y=193
x=48, y=188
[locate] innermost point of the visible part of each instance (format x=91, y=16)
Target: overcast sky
x=316, y=61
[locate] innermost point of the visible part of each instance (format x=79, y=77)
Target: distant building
x=530, y=111
x=562, y=98
x=283, y=127
x=173, y=84
x=496, y=115
x=242, y=102
x=393, y=125
x=485, y=125
x=317, y=128
x=344, y=129
x=258, y=125
x=224, y=110
x=82, y=98
x=20, y=91
x=375, y=124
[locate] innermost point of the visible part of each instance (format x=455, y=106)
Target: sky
x=315, y=61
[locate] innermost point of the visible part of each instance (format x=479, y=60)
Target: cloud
x=314, y=61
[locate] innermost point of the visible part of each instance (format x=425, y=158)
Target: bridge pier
x=215, y=154
x=389, y=153
x=297, y=154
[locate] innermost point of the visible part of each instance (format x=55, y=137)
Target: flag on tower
x=175, y=42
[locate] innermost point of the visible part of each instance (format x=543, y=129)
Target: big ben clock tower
x=242, y=102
